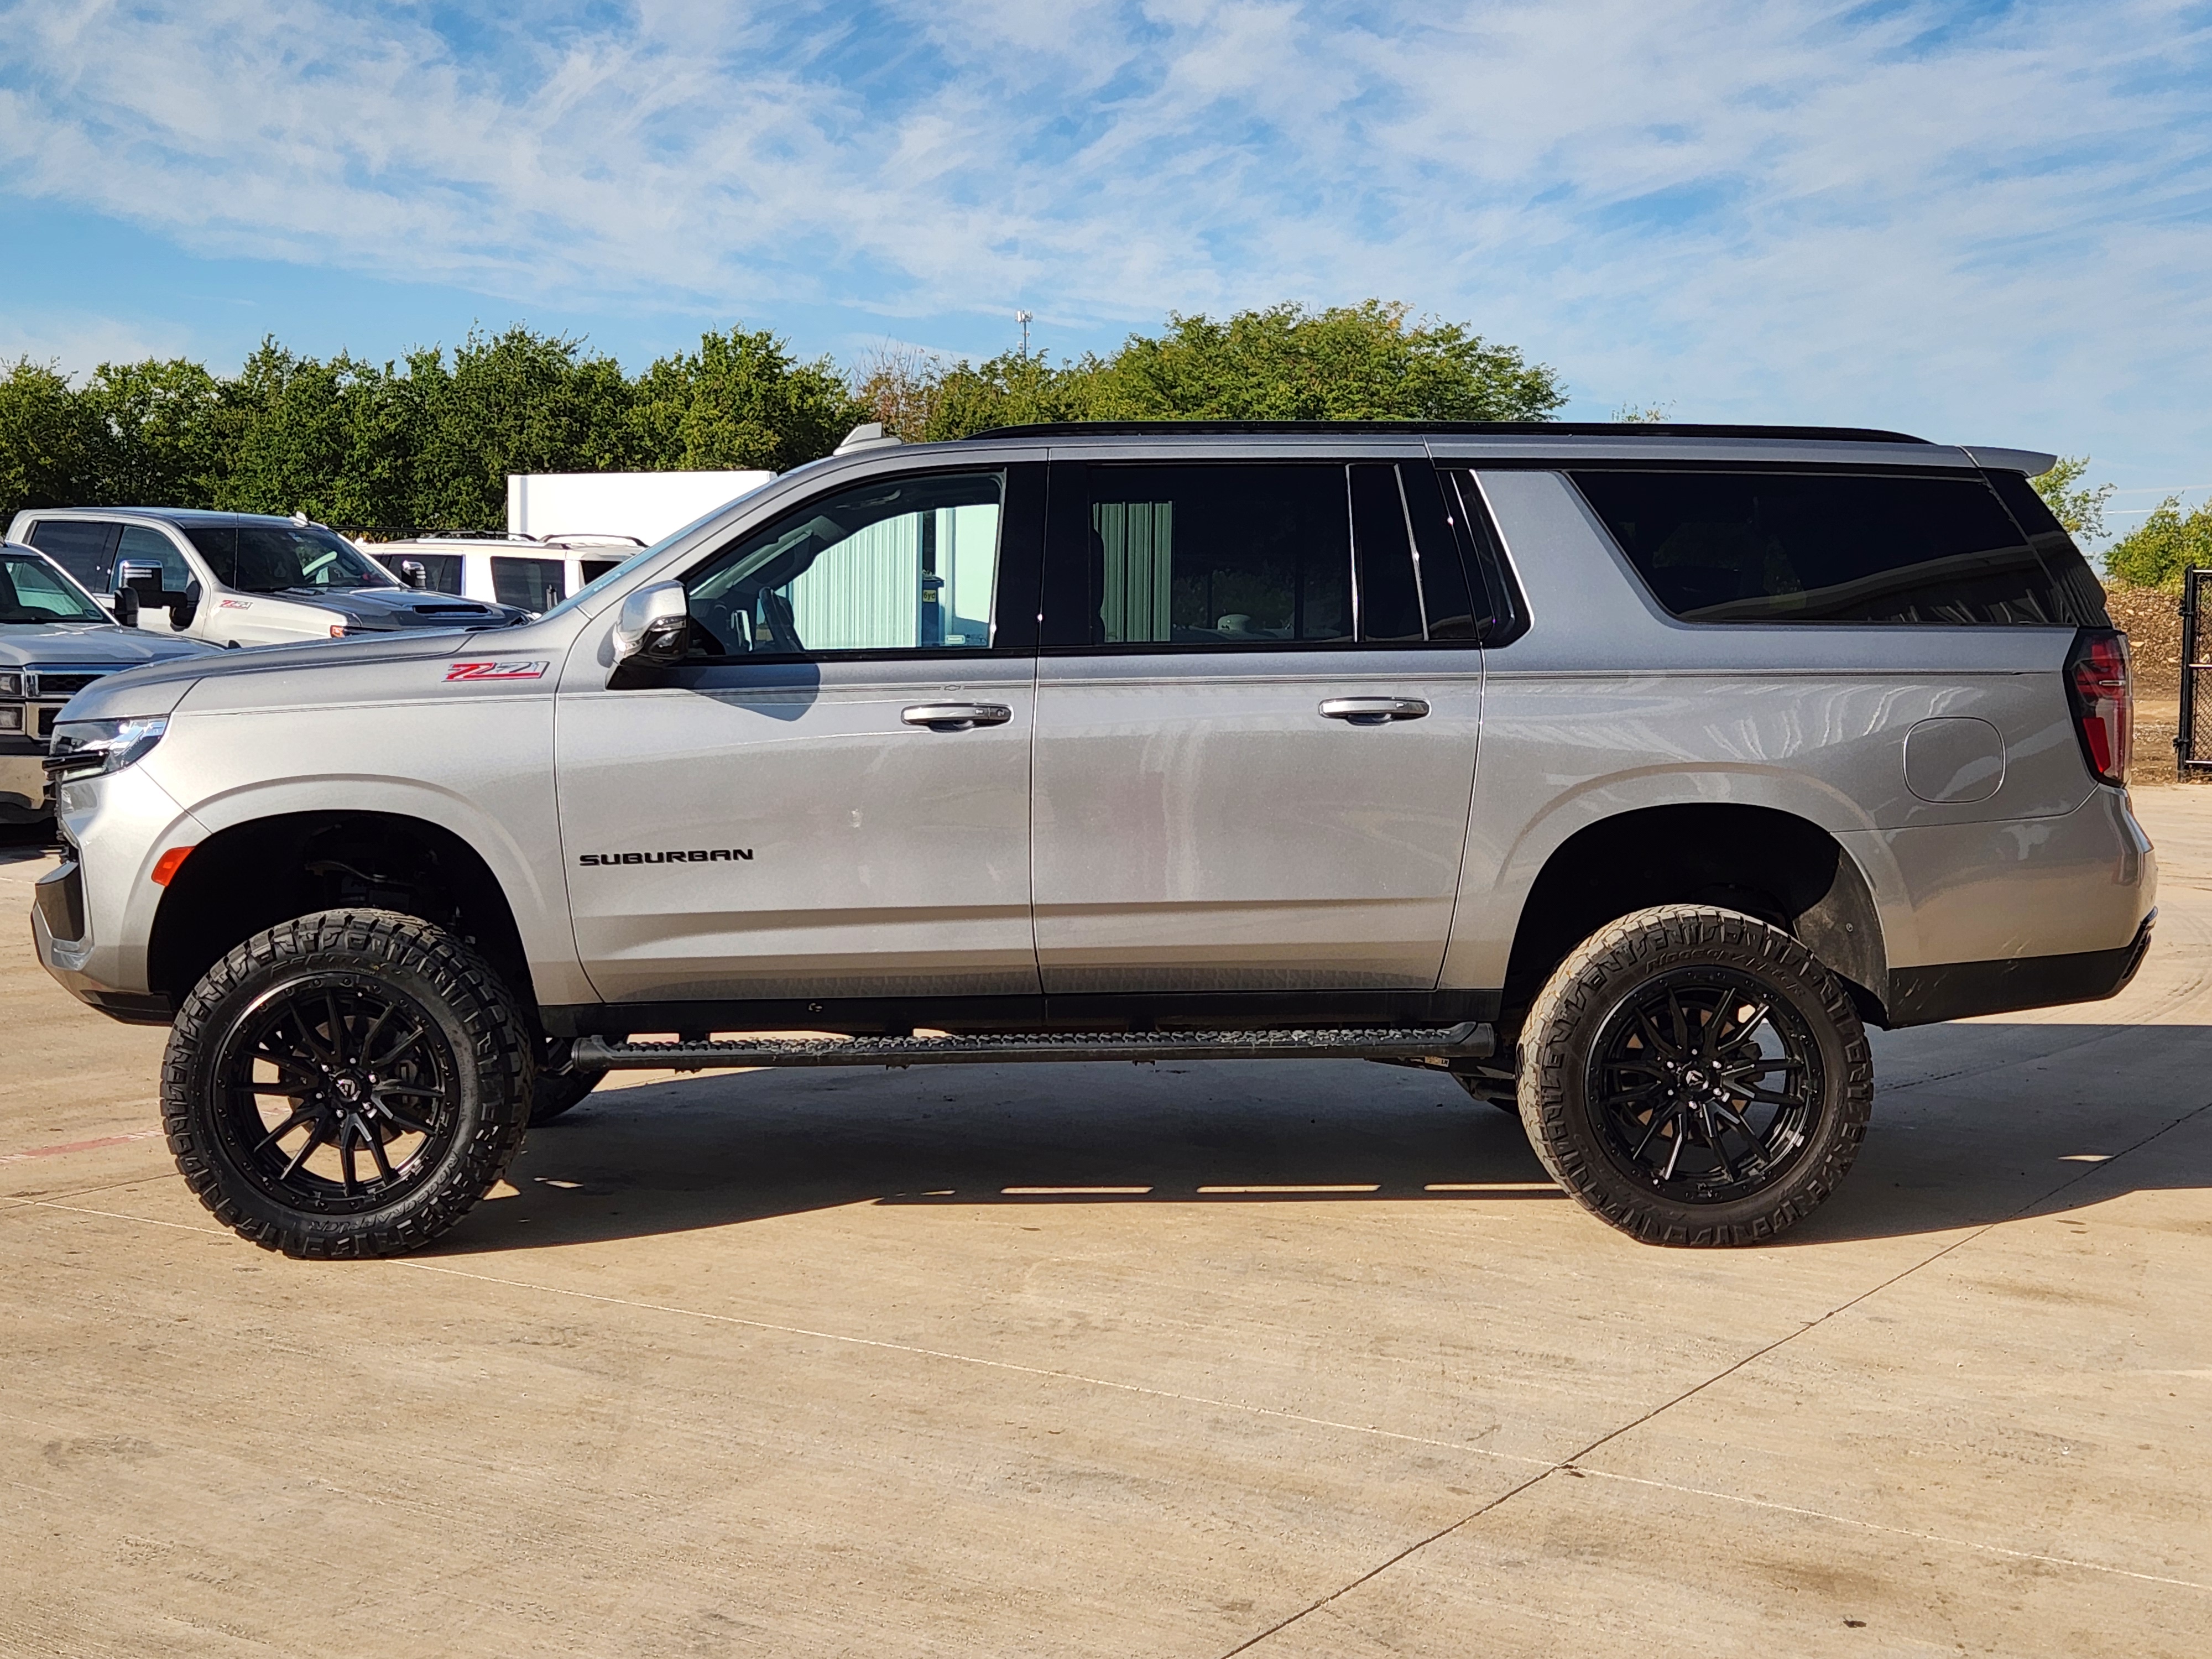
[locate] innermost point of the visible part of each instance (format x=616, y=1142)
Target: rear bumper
x=1957, y=990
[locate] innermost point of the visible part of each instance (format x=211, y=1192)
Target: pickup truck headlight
x=11, y=716
x=11, y=683
x=90, y=749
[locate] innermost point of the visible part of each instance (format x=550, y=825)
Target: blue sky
x=1984, y=222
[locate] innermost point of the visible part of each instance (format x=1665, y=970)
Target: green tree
x=2077, y=506
x=2156, y=552
x=741, y=400
x=1363, y=362
x=1014, y=389
x=158, y=437
x=48, y=440
x=514, y=402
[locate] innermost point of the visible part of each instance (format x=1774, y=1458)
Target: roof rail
x=1449, y=428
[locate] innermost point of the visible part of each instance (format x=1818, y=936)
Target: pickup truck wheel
x=347, y=1083
x=552, y=1093
x=1694, y=1076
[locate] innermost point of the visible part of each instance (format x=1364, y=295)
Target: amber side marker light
x=166, y=867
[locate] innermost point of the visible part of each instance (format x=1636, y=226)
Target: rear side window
x=528, y=584
x=1770, y=547
x=85, y=550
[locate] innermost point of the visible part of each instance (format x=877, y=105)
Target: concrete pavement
x=1187, y=1360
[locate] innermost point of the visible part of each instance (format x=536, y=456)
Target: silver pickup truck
x=1624, y=774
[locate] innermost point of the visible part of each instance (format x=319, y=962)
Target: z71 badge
x=495, y=671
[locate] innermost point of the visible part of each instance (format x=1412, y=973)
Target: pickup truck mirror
x=413, y=574
x=654, y=626
x=183, y=609
x=126, y=607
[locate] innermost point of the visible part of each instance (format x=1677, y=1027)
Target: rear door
x=830, y=796
x=1256, y=728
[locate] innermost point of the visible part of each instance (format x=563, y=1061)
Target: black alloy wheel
x=1704, y=1084
x=340, y=1093
x=1695, y=1076
x=347, y=1083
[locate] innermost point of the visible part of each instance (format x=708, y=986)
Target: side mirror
x=654, y=625
x=126, y=607
x=412, y=573
x=181, y=611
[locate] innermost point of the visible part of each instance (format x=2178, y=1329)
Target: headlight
x=11, y=683
x=11, y=716
x=89, y=748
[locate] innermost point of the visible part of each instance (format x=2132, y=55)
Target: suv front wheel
x=1694, y=1076
x=347, y=1083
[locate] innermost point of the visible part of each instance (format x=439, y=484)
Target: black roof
x=1856, y=435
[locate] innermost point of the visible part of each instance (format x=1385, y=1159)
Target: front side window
x=528, y=584
x=149, y=548
x=34, y=592
x=255, y=558
x=441, y=572
x=904, y=564
x=1775, y=547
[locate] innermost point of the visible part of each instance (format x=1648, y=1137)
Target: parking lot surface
x=1187, y=1360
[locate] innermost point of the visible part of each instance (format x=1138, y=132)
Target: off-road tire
x=1597, y=980
x=552, y=1093
x=481, y=1033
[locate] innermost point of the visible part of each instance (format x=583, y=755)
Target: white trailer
x=644, y=505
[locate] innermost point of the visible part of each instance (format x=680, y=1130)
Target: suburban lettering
x=692, y=855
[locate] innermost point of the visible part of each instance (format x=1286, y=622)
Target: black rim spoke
x=386, y=1135
x=1703, y=1084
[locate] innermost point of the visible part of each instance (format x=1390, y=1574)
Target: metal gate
x=2192, y=743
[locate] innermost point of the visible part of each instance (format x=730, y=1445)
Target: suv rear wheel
x=347, y=1083
x=1694, y=1076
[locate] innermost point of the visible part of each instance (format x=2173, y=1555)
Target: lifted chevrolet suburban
x=1625, y=774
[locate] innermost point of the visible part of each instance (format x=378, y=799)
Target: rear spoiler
x=2033, y=462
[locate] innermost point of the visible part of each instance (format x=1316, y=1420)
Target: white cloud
x=1991, y=220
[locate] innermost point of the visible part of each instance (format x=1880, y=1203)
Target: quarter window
x=1772, y=547
x=904, y=564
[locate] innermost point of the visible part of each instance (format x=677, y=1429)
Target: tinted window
x=31, y=591
x=1383, y=544
x=594, y=568
x=85, y=550
x=255, y=558
x=1251, y=555
x=2069, y=570
x=143, y=547
x=904, y=564
x=441, y=572
x=1491, y=612
x=529, y=584
x=1800, y=547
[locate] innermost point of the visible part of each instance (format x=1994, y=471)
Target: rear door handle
x=1373, y=711
x=955, y=716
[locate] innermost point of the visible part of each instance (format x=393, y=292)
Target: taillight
x=2101, y=687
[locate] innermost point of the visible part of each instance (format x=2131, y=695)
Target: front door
x=830, y=797
x=1256, y=722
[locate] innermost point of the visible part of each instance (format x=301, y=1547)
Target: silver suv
x=1624, y=774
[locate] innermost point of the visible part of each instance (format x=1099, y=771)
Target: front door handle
x=1373, y=711
x=955, y=716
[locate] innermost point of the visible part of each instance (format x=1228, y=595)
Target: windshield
x=33, y=591
x=261, y=558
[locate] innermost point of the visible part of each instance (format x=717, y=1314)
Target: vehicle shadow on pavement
x=1972, y=1124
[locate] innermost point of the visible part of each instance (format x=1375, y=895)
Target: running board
x=1470, y=1040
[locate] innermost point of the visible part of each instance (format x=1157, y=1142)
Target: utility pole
x=1024, y=319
